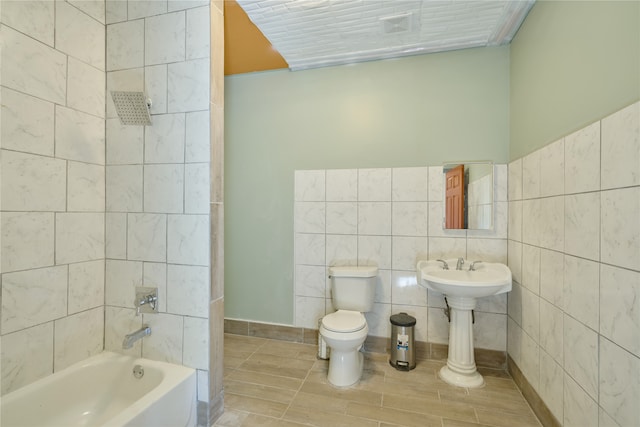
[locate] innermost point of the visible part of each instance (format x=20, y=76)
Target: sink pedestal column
x=461, y=366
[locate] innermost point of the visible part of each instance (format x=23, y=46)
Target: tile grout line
x=297, y=391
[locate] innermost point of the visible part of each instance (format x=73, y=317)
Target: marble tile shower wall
x=52, y=216
x=157, y=180
x=574, y=250
x=390, y=218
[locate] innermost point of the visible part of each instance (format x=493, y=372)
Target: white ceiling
x=318, y=33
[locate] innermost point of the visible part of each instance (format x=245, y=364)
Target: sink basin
x=487, y=279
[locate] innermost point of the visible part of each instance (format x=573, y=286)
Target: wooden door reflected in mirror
x=468, y=196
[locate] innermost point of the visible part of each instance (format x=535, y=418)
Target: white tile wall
x=163, y=188
x=79, y=35
x=157, y=180
x=33, y=18
x=156, y=84
x=85, y=90
x=85, y=187
x=27, y=123
x=115, y=11
x=125, y=45
x=164, y=141
x=197, y=38
x=77, y=337
x=124, y=188
x=619, y=385
x=86, y=285
x=582, y=160
x=185, y=81
x=166, y=341
x=53, y=179
x=579, y=236
x=197, y=137
x=27, y=355
x=33, y=182
x=33, y=68
x=140, y=9
x=164, y=40
x=188, y=288
x=125, y=144
x=188, y=239
x=88, y=205
x=79, y=237
x=79, y=136
x=28, y=240
x=620, y=152
x=32, y=297
x=389, y=217
x=93, y=8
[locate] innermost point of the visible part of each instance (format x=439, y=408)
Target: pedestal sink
x=462, y=283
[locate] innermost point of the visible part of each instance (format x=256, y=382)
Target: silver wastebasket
x=403, y=354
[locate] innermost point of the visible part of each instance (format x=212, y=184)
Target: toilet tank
x=353, y=287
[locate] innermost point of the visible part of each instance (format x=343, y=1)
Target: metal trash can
x=403, y=355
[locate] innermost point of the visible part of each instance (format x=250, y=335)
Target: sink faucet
x=460, y=263
x=445, y=266
x=472, y=267
x=131, y=338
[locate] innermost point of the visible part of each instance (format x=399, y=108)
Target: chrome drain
x=138, y=371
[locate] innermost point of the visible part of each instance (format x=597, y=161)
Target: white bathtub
x=102, y=391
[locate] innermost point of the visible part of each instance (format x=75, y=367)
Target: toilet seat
x=344, y=321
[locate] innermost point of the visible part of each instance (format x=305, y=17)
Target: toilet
x=352, y=291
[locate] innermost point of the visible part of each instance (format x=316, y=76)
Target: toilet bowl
x=344, y=332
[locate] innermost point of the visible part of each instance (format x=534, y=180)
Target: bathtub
x=103, y=391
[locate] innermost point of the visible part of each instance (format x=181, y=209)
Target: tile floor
x=279, y=383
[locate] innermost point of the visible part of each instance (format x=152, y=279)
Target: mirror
x=468, y=195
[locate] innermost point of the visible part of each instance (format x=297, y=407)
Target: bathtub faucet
x=131, y=338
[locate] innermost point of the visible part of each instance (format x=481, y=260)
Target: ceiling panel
x=317, y=33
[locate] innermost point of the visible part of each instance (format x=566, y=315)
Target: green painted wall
x=414, y=111
x=572, y=63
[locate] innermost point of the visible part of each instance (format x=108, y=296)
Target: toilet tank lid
x=353, y=271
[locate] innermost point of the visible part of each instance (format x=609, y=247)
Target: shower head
x=132, y=107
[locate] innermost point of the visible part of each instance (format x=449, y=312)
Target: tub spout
x=131, y=338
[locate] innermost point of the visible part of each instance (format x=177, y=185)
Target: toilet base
x=345, y=367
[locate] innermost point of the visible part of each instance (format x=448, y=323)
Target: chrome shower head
x=132, y=107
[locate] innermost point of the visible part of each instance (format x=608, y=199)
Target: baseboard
x=271, y=331
x=494, y=359
x=216, y=408
x=546, y=417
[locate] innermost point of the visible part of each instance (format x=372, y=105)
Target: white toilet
x=353, y=290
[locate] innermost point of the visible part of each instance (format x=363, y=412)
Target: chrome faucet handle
x=146, y=300
x=445, y=266
x=472, y=267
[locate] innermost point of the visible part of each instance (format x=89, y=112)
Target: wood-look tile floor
x=279, y=383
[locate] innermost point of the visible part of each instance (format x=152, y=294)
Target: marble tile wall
x=390, y=217
x=157, y=180
x=52, y=219
x=215, y=391
x=574, y=250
